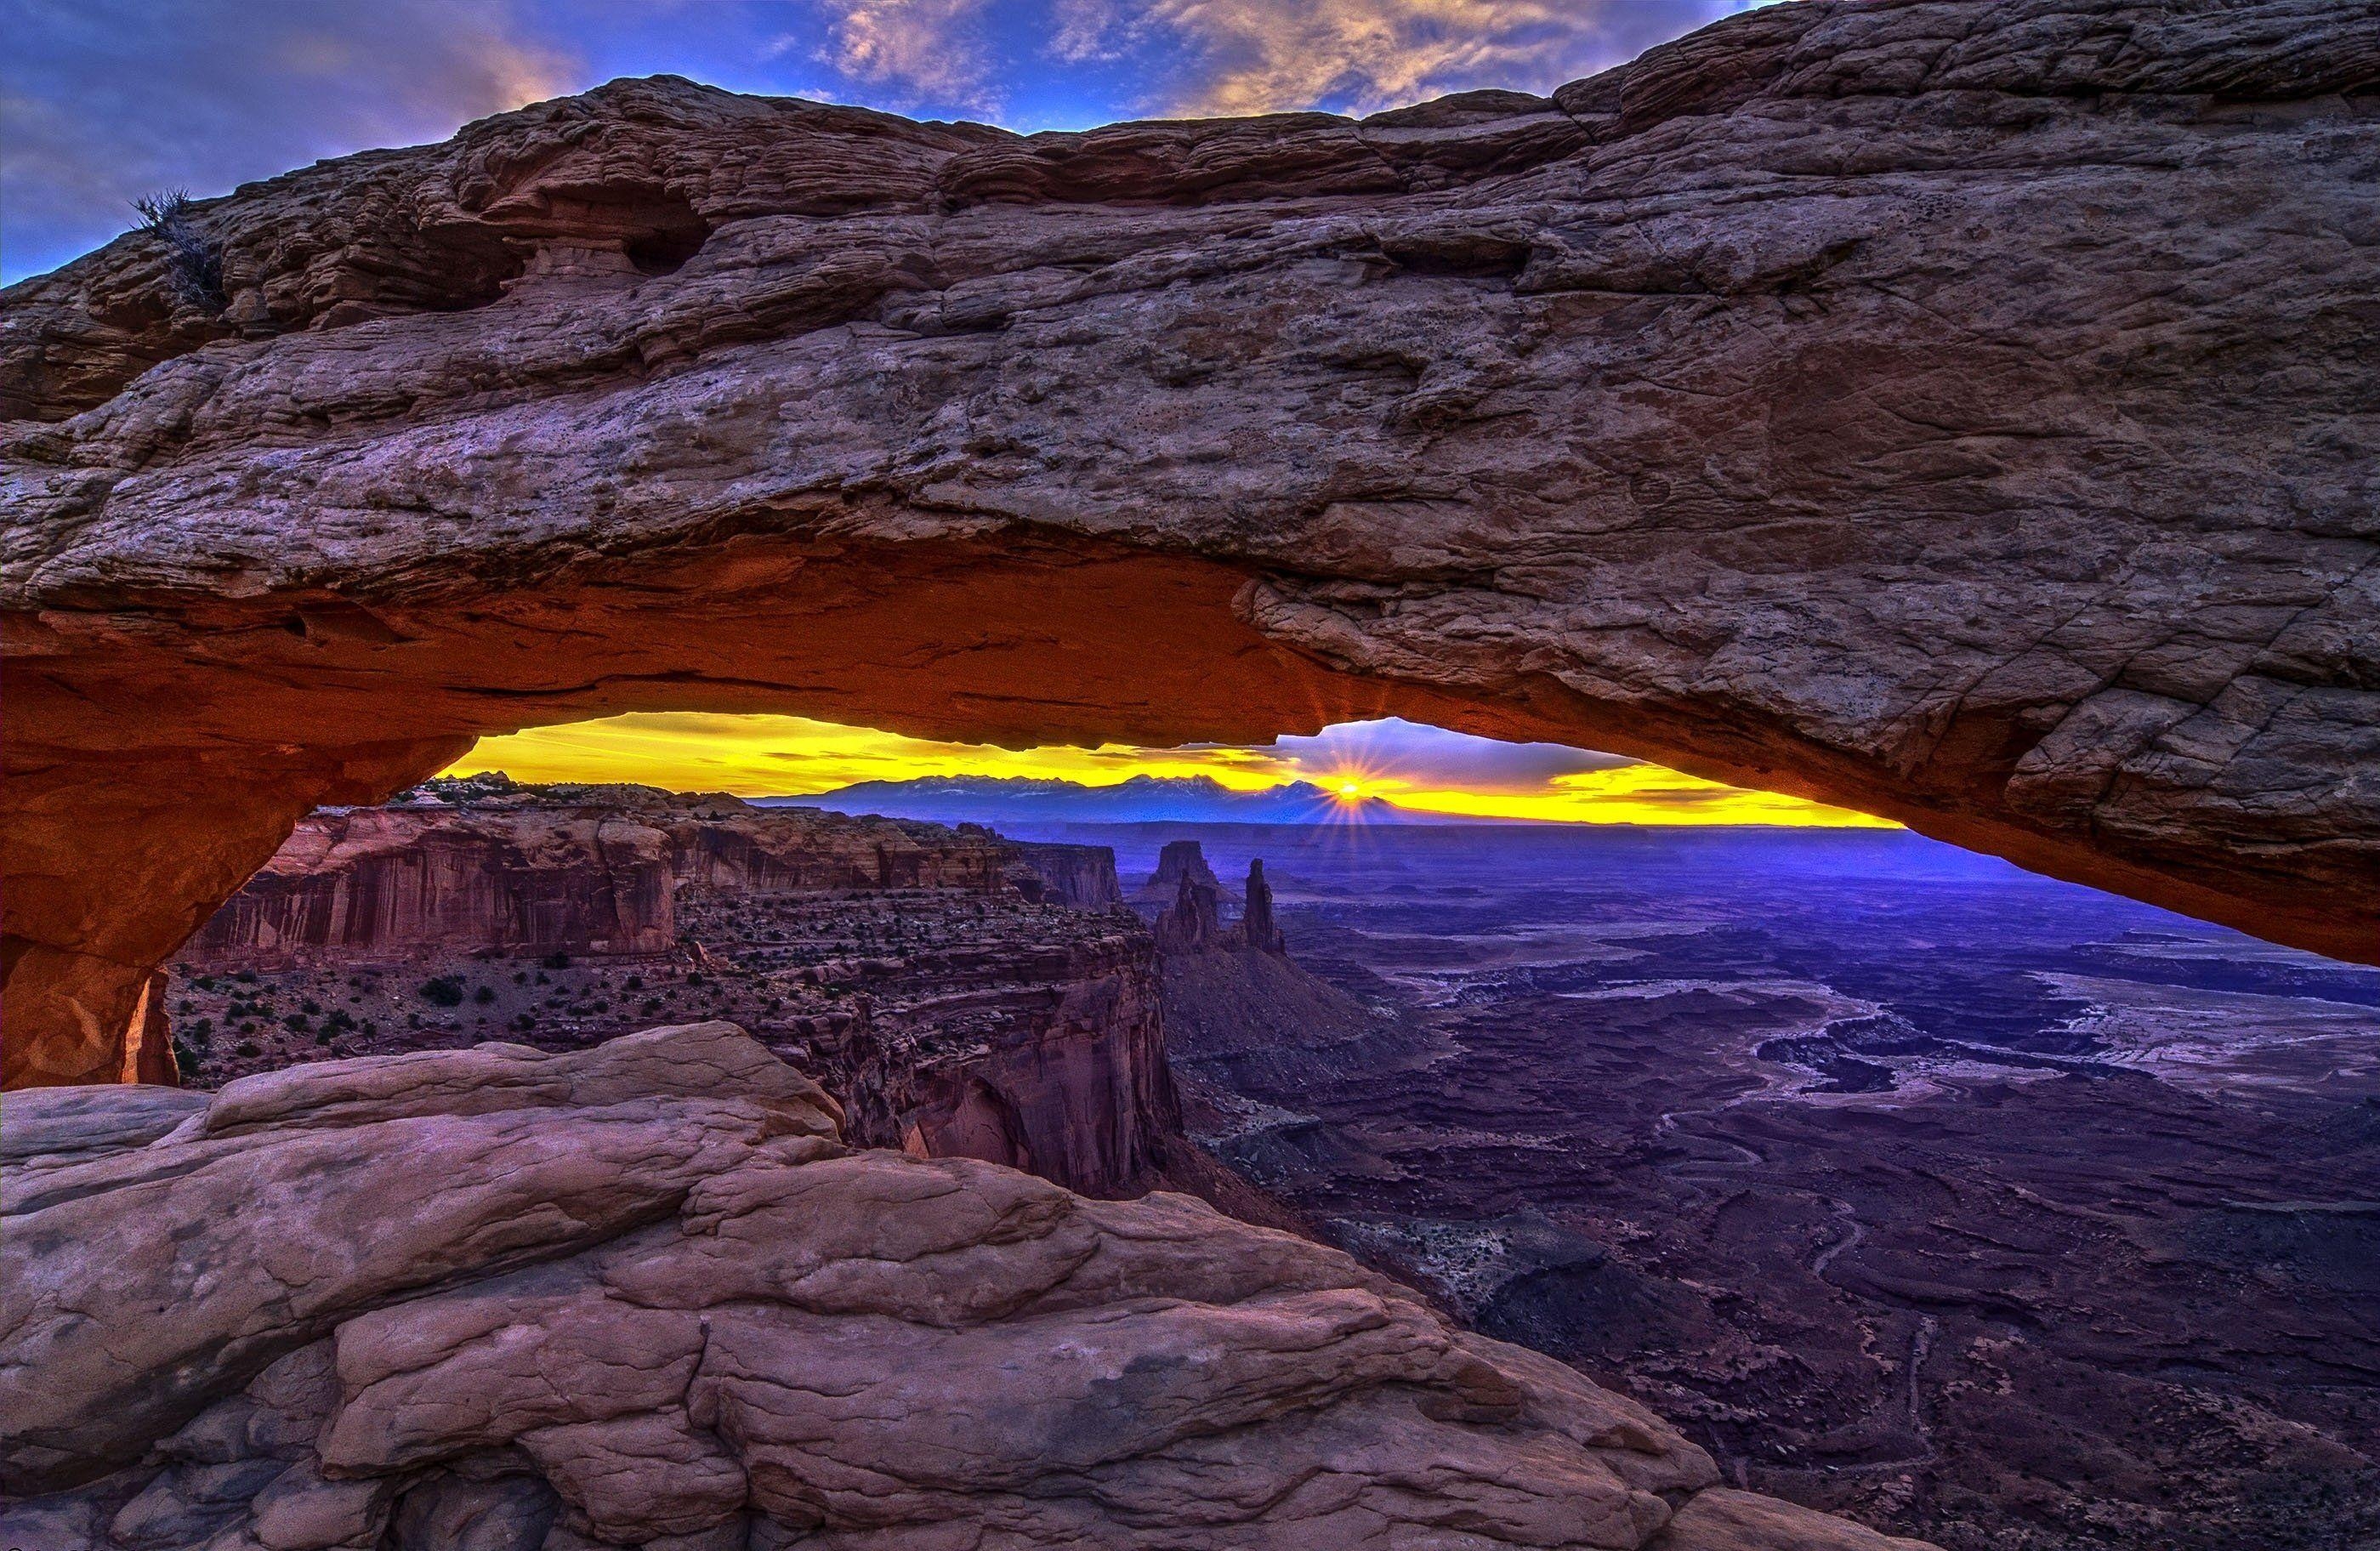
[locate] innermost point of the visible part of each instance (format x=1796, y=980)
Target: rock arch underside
x=1965, y=412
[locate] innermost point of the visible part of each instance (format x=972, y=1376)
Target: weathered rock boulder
x=1960, y=409
x=641, y=1296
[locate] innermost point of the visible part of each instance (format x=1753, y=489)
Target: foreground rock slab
x=641, y=1296
x=1959, y=409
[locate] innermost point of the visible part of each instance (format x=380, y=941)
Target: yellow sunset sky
x=1427, y=768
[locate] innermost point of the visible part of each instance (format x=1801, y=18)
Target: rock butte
x=1966, y=410
x=640, y=1295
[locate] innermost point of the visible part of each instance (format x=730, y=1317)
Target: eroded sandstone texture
x=642, y=1296
x=1961, y=409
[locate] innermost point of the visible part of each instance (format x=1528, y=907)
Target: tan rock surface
x=1720, y=1520
x=1961, y=409
x=639, y=1296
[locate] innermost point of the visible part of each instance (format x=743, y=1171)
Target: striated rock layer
x=576, y=869
x=960, y=994
x=1960, y=409
x=641, y=1296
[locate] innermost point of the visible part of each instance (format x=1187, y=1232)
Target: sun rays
x=1423, y=769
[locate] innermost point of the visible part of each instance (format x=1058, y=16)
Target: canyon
x=1865, y=1061
x=1953, y=409
x=1960, y=410
x=958, y=994
x=1978, y=1208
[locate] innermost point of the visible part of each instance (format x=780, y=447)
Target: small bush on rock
x=193, y=259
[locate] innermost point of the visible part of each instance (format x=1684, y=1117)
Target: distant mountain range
x=1142, y=800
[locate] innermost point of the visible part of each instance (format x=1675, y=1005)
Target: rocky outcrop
x=588, y=869
x=383, y=885
x=1258, y=931
x=1958, y=409
x=1030, y=1038
x=1179, y=862
x=943, y=983
x=1191, y=923
x=642, y=1296
x=1078, y=877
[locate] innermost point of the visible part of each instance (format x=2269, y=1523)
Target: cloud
x=109, y=99
x=922, y=52
x=1425, y=757
x=1359, y=56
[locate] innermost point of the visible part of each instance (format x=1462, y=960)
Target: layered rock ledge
x=641, y=1296
x=1959, y=409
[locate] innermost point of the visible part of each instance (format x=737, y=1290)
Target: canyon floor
x=1913, y=1186
x=1979, y=1206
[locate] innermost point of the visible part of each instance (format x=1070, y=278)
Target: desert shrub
x=442, y=990
x=296, y=1022
x=484, y=995
x=557, y=960
x=193, y=261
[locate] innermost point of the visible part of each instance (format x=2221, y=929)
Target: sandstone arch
x=1960, y=410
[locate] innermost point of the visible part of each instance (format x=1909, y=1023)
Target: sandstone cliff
x=961, y=995
x=586, y=869
x=1079, y=876
x=641, y=1296
x=1960, y=409
x=384, y=884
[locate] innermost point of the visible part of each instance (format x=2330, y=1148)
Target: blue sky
x=104, y=99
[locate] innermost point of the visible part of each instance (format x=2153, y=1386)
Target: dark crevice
x=665, y=252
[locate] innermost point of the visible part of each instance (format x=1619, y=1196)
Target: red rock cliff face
x=1044, y=1055
x=964, y=995
x=379, y=885
x=1081, y=876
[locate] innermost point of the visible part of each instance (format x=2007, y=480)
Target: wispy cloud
x=1244, y=56
x=916, y=51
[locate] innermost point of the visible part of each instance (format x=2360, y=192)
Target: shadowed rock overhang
x=1967, y=412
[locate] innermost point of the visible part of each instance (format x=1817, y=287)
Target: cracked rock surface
x=641, y=1296
x=1959, y=409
